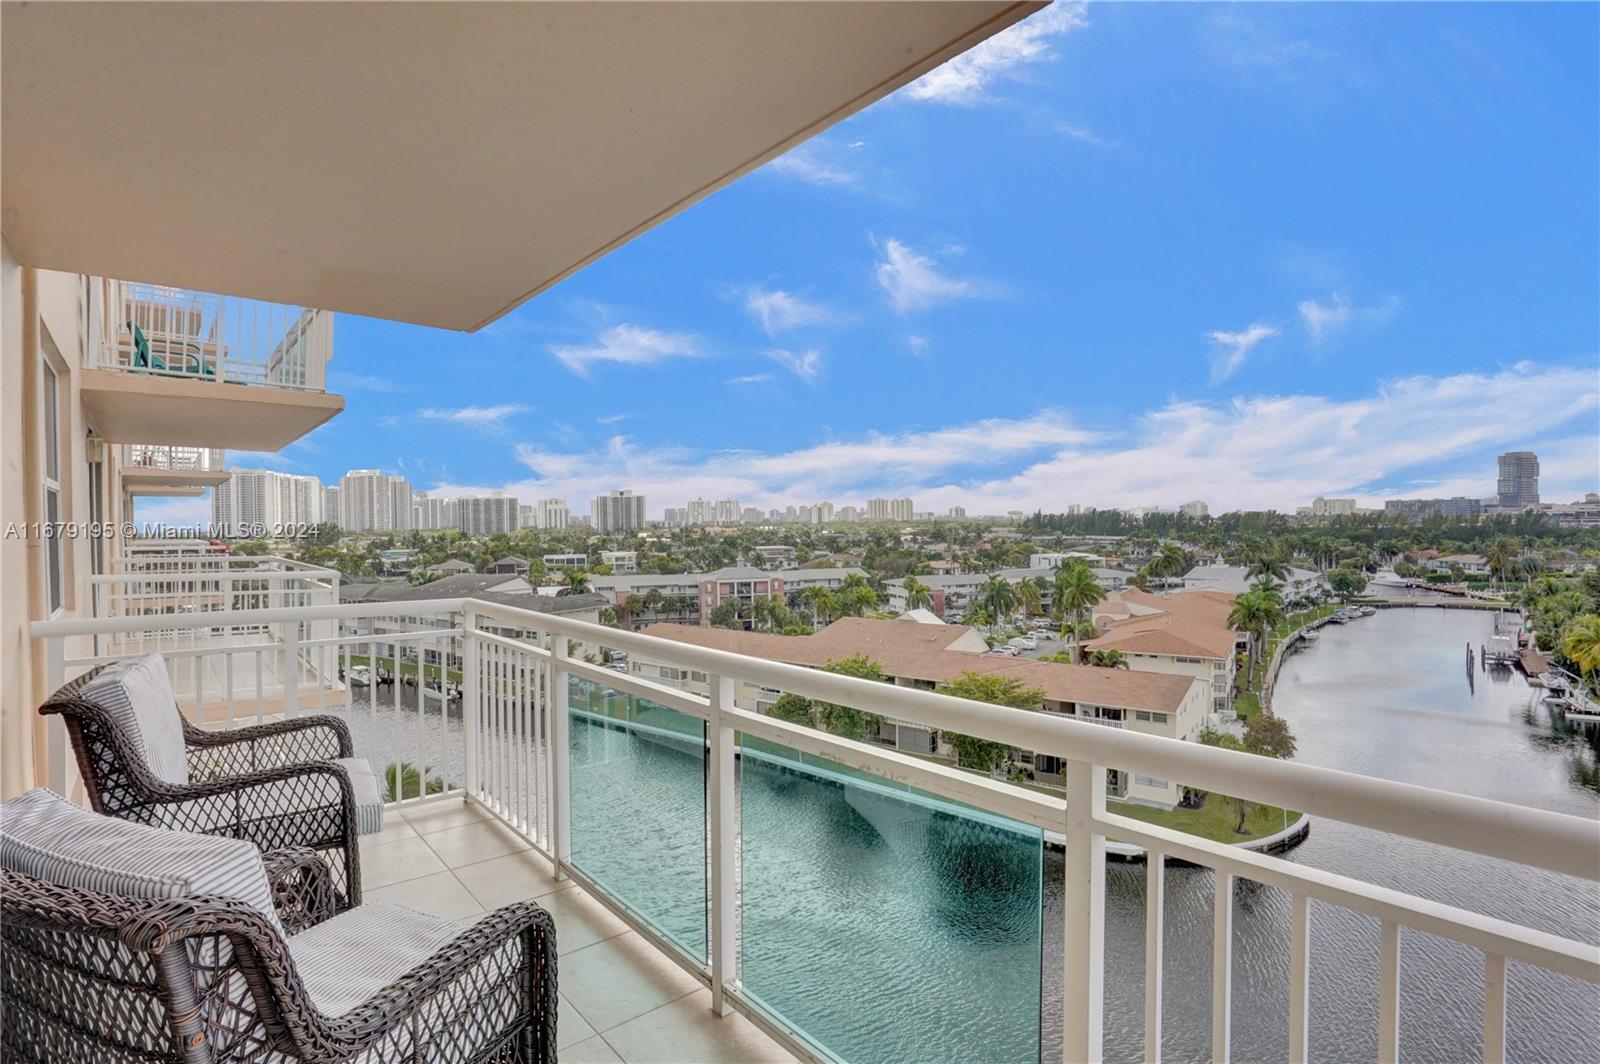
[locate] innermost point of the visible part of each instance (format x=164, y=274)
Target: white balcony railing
x=165, y=457
x=182, y=334
x=203, y=580
x=512, y=715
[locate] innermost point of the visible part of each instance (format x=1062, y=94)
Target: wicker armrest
x=457, y=972
x=286, y=742
x=302, y=887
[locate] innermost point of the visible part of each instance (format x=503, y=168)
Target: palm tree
x=577, y=583
x=653, y=599
x=998, y=597
x=1270, y=566
x=1076, y=590
x=1581, y=643
x=1028, y=597
x=918, y=595
x=1254, y=612
x=1108, y=659
x=820, y=599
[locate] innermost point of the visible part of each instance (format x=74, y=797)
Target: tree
x=847, y=721
x=409, y=779
x=1029, y=596
x=1075, y=591
x=820, y=599
x=1268, y=734
x=1581, y=642
x=1254, y=612
x=1347, y=582
x=577, y=583
x=1108, y=659
x=918, y=595
x=794, y=709
x=972, y=752
x=1271, y=566
x=998, y=597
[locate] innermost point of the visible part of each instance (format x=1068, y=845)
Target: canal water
x=899, y=929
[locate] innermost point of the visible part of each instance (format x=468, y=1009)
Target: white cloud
x=611, y=419
x=968, y=78
x=778, y=311
x=1412, y=436
x=818, y=162
x=483, y=418
x=807, y=365
x=631, y=345
x=1324, y=320
x=913, y=282
x=1230, y=349
x=751, y=378
x=917, y=344
x=361, y=382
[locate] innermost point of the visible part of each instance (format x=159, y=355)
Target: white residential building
x=429, y=513
x=481, y=515
x=617, y=511
x=728, y=511
x=374, y=501
x=621, y=561
x=957, y=513
x=890, y=509
x=330, y=504
x=1322, y=507
x=566, y=561
x=261, y=502
x=1195, y=508
x=551, y=514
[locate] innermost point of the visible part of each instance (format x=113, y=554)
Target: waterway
x=899, y=929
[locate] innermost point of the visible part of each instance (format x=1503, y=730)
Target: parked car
x=1006, y=651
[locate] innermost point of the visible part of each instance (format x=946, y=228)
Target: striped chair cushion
x=47, y=837
x=138, y=695
x=369, y=800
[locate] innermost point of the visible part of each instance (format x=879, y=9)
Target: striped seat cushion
x=348, y=958
x=369, y=799
x=138, y=695
x=47, y=837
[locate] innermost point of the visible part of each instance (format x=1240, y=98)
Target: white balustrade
x=514, y=745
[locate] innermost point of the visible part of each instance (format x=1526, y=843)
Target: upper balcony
x=193, y=369
x=851, y=902
x=165, y=469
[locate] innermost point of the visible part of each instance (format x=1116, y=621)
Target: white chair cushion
x=138, y=695
x=347, y=958
x=47, y=837
x=369, y=801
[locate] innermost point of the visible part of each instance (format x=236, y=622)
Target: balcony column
x=1085, y=901
x=471, y=717
x=560, y=756
x=720, y=809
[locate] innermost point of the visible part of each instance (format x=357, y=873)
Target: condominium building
x=1322, y=507
x=1186, y=632
x=551, y=514
x=1455, y=506
x=957, y=513
x=728, y=512
x=1518, y=484
x=1195, y=508
x=330, y=504
x=620, y=561
x=373, y=501
x=617, y=511
x=890, y=509
x=262, y=502
x=431, y=513
x=481, y=515
x=750, y=516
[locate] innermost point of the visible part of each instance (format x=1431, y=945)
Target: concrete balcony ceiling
x=428, y=163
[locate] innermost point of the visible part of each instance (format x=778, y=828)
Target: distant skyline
x=1121, y=256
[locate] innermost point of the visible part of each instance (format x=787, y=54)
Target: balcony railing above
x=689, y=817
x=163, y=457
x=186, y=335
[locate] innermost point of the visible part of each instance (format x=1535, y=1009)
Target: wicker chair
x=91, y=975
x=276, y=785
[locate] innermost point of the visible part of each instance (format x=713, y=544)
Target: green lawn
x=1215, y=820
x=1247, y=704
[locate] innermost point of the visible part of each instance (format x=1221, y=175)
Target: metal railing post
x=1082, y=984
x=290, y=671
x=56, y=729
x=470, y=712
x=560, y=756
x=721, y=811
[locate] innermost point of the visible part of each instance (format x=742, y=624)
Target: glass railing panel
x=638, y=807
x=883, y=923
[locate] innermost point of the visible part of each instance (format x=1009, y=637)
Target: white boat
x=1309, y=637
x=359, y=676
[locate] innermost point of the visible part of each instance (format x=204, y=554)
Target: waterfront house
x=510, y=564
x=238, y=151
x=1183, y=632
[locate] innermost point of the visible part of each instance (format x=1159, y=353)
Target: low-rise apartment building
x=566, y=561
x=621, y=561
x=954, y=592
x=692, y=596
x=928, y=655
x=1185, y=633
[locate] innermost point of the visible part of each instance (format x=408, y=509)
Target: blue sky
x=1123, y=255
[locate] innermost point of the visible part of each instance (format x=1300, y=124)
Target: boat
x=359, y=676
x=1309, y=637
x=1369, y=611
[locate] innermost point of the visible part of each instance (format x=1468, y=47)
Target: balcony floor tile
x=514, y=877
x=580, y=920
x=612, y=982
x=570, y=1027
x=393, y=862
x=471, y=843
x=687, y=1030
x=590, y=1051
x=441, y=894
x=440, y=816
